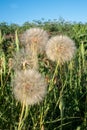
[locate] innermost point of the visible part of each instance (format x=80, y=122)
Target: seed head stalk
x=24, y=114
x=34, y=55
x=16, y=41
x=52, y=80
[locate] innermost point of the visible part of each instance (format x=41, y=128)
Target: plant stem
x=21, y=116
x=52, y=80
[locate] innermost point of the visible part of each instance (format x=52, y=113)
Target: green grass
x=64, y=107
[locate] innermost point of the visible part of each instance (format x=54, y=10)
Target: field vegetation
x=64, y=106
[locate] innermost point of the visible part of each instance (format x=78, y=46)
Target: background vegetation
x=65, y=106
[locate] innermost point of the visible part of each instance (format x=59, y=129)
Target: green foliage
x=65, y=106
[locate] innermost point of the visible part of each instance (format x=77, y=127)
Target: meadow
x=65, y=105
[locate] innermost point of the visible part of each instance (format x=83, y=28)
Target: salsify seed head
x=34, y=38
x=23, y=59
x=60, y=48
x=29, y=87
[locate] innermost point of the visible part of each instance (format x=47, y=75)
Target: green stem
x=52, y=80
x=24, y=114
x=21, y=116
x=61, y=107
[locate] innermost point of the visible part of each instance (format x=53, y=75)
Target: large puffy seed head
x=60, y=49
x=29, y=87
x=35, y=37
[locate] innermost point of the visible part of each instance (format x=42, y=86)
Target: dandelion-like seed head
x=29, y=87
x=23, y=60
x=34, y=38
x=60, y=49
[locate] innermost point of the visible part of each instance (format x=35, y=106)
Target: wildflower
x=29, y=87
x=34, y=38
x=60, y=49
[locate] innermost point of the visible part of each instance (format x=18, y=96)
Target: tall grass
x=64, y=107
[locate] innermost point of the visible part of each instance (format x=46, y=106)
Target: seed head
x=23, y=60
x=34, y=38
x=29, y=87
x=60, y=49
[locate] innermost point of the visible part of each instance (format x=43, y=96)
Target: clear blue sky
x=20, y=11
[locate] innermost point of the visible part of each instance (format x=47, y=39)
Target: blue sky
x=20, y=11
